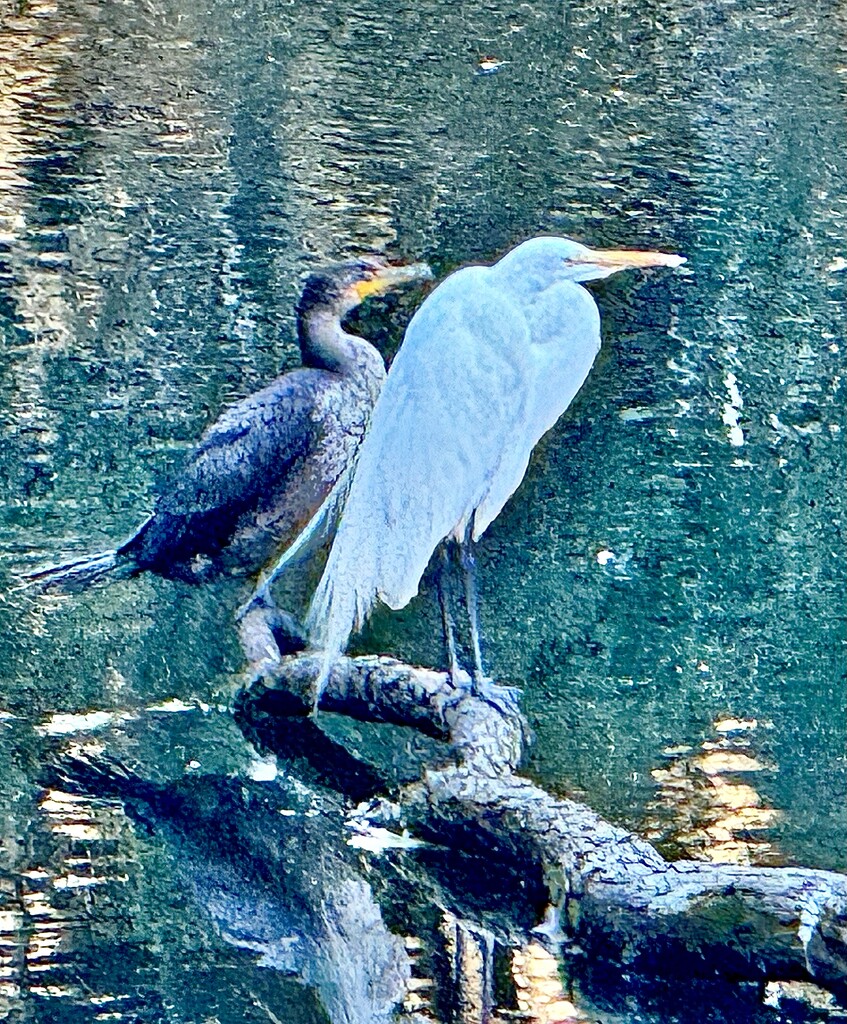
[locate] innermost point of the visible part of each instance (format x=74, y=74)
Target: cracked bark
x=616, y=895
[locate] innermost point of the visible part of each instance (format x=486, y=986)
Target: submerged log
x=612, y=892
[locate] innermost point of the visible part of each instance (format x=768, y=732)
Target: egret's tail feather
x=328, y=659
x=80, y=573
x=335, y=612
x=317, y=531
x=328, y=625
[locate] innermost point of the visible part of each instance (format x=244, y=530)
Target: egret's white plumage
x=490, y=361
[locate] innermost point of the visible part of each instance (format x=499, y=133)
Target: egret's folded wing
x=564, y=339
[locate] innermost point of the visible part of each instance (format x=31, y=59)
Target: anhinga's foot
x=258, y=642
x=267, y=633
x=288, y=633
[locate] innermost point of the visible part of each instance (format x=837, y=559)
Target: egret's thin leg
x=468, y=559
x=446, y=617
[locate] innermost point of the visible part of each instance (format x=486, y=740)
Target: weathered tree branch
x=616, y=893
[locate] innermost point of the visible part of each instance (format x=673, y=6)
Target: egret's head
x=548, y=258
x=340, y=288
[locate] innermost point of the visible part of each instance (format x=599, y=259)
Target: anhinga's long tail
x=79, y=574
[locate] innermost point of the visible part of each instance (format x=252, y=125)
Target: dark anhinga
x=263, y=469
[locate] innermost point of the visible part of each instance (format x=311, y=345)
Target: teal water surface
x=675, y=556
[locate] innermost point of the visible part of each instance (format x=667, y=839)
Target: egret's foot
x=325, y=664
x=505, y=699
x=482, y=685
x=460, y=679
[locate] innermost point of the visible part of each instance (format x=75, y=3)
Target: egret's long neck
x=521, y=277
x=325, y=345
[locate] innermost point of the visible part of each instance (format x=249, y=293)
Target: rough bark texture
x=615, y=893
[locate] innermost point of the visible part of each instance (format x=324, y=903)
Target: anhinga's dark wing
x=260, y=470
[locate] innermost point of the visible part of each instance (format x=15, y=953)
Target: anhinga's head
x=340, y=288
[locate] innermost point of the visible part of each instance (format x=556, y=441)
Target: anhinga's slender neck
x=325, y=345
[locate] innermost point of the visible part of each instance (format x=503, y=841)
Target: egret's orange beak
x=386, y=278
x=621, y=259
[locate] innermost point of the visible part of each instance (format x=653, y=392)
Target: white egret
x=490, y=361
